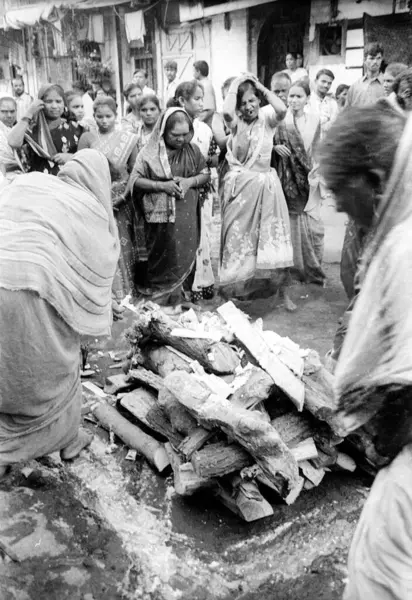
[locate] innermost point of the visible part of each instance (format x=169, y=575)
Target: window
x=354, y=52
x=330, y=40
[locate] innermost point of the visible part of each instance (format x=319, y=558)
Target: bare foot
x=289, y=305
x=84, y=439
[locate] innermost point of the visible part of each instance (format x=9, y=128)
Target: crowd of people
x=176, y=202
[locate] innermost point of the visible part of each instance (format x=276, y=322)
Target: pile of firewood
x=243, y=412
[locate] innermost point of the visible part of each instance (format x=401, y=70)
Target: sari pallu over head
x=153, y=163
x=58, y=237
x=377, y=351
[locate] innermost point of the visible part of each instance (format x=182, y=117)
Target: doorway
x=283, y=30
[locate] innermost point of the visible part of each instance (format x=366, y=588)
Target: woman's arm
x=276, y=103
x=219, y=131
x=16, y=135
x=132, y=159
x=86, y=140
x=170, y=187
x=229, y=106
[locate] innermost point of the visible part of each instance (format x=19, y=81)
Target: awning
x=191, y=11
x=30, y=15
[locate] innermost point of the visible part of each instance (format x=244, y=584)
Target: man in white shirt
x=140, y=77
x=172, y=80
x=321, y=102
x=201, y=73
x=22, y=99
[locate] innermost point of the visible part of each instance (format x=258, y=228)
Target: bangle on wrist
x=26, y=119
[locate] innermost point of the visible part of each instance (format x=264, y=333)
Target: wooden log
x=142, y=404
x=256, y=389
x=293, y=427
x=164, y=360
x=248, y=428
x=180, y=419
x=254, y=341
x=186, y=481
x=194, y=441
x=244, y=499
x=324, y=460
x=319, y=398
x=345, y=462
x=141, y=375
x=287, y=351
x=305, y=450
x=132, y=435
x=216, y=460
x=217, y=357
x=117, y=383
x=314, y=475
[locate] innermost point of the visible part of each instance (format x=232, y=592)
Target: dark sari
x=172, y=227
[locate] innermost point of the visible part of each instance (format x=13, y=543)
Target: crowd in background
x=176, y=202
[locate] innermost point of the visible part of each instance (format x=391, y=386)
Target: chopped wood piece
x=248, y=428
x=117, y=383
x=181, y=420
x=217, y=357
x=319, y=398
x=244, y=499
x=186, y=481
x=305, y=450
x=256, y=389
x=254, y=341
x=345, y=462
x=325, y=460
x=315, y=476
x=142, y=404
x=293, y=428
x=216, y=460
x=149, y=378
x=132, y=435
x=287, y=351
x=164, y=360
x=195, y=440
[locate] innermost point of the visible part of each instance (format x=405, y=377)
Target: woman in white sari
x=367, y=163
x=256, y=244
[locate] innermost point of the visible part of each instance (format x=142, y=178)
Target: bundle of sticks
x=240, y=411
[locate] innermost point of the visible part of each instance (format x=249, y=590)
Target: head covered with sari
x=376, y=357
x=153, y=163
x=58, y=238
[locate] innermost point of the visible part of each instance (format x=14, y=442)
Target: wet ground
x=105, y=528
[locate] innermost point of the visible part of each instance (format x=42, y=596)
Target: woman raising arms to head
x=51, y=140
x=255, y=225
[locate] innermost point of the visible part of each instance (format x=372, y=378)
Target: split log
x=305, y=450
x=142, y=404
x=314, y=475
x=164, y=360
x=180, y=419
x=216, y=460
x=149, y=378
x=195, y=440
x=248, y=428
x=324, y=460
x=117, y=383
x=244, y=499
x=345, y=462
x=132, y=435
x=217, y=357
x=186, y=481
x=255, y=343
x=287, y=351
x=256, y=389
x=319, y=398
x=293, y=428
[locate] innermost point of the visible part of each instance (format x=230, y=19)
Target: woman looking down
x=58, y=254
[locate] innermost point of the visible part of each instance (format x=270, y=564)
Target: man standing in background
x=321, y=102
x=369, y=88
x=23, y=100
x=201, y=73
x=140, y=78
x=172, y=80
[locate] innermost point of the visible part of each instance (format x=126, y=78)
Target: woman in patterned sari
x=49, y=140
x=256, y=245
x=120, y=149
x=295, y=139
x=165, y=181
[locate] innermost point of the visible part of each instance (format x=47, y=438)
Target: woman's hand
x=185, y=185
x=35, y=107
x=117, y=310
x=282, y=150
x=61, y=158
x=171, y=187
